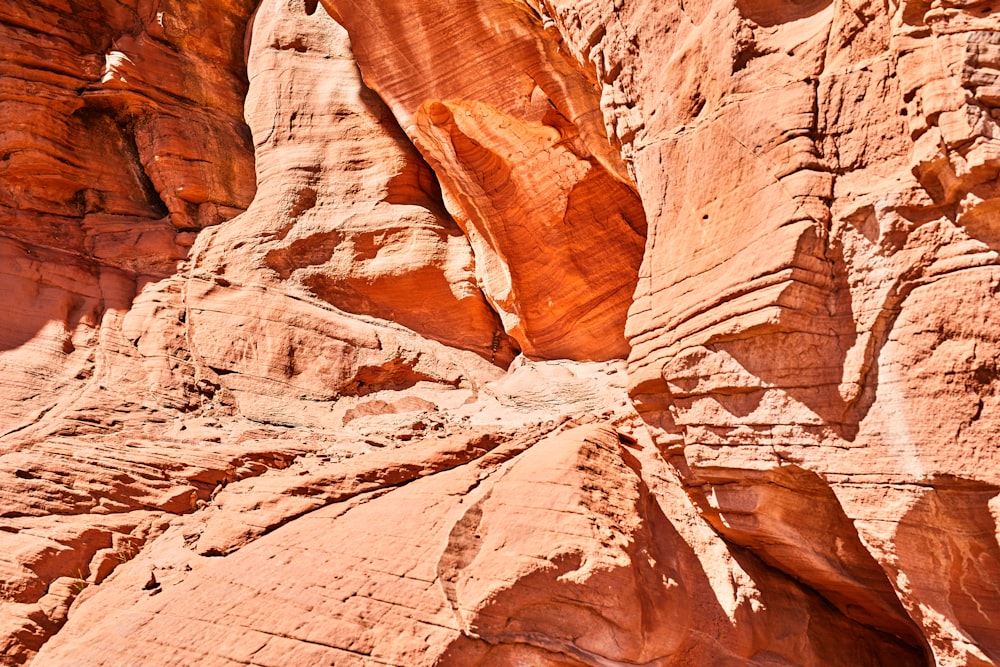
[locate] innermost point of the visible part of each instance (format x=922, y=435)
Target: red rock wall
x=499, y=332
x=805, y=305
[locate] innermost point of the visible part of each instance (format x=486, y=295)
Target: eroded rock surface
x=524, y=163
x=499, y=332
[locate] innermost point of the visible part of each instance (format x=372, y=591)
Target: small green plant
x=80, y=583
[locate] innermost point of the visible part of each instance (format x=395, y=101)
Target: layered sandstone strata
x=499, y=332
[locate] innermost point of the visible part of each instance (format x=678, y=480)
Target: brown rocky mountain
x=493, y=333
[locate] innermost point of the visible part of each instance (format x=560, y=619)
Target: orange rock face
x=524, y=162
x=508, y=332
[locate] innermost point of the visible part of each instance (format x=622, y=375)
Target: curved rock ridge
x=360, y=279
x=499, y=332
x=525, y=164
x=440, y=571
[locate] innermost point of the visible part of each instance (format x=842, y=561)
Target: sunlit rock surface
x=499, y=332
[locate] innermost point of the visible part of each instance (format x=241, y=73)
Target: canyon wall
x=499, y=332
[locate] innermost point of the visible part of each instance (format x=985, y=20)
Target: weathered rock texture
x=499, y=332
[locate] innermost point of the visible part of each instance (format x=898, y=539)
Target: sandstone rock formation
x=499, y=332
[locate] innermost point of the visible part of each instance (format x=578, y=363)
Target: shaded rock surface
x=499, y=333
